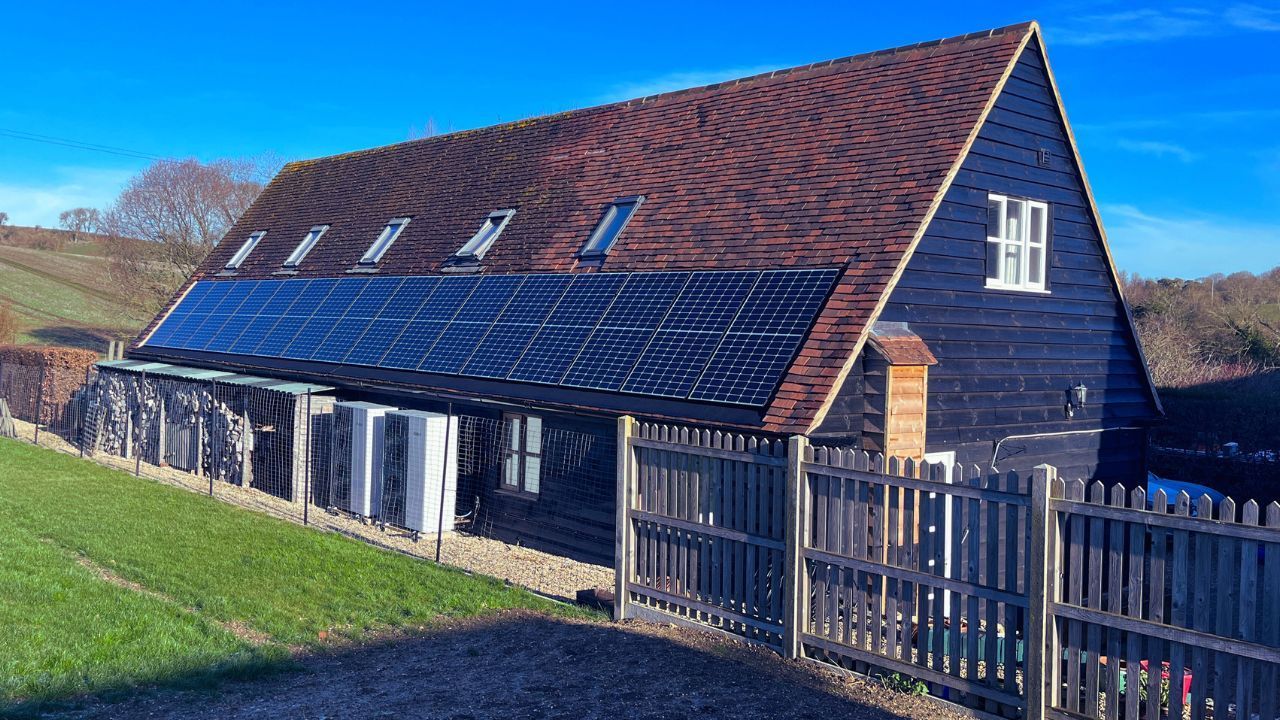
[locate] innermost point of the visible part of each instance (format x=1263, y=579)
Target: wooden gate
x=876, y=588
x=703, y=525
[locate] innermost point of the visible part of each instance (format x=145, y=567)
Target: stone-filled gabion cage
x=239, y=429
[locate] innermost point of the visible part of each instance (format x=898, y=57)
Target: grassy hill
x=61, y=290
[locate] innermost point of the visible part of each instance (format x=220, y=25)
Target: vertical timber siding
x=1006, y=359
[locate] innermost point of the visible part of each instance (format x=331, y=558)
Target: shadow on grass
x=517, y=664
x=88, y=338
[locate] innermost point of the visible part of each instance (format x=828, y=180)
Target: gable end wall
x=1007, y=359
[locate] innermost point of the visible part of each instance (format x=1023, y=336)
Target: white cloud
x=677, y=81
x=1188, y=246
x=1253, y=17
x=40, y=202
x=1153, y=25
x=1159, y=149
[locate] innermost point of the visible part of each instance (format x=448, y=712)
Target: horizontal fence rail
x=1015, y=596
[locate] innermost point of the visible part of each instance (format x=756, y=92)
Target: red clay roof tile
x=832, y=163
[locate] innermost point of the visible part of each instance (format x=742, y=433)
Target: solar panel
x=421, y=333
x=764, y=336
x=292, y=319
x=360, y=313
x=391, y=320
x=611, y=351
x=257, y=297
x=177, y=314
x=689, y=334
x=469, y=325
x=510, y=335
x=227, y=299
x=326, y=315
x=560, y=338
x=182, y=330
x=286, y=292
x=720, y=336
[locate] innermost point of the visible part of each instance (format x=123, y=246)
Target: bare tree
x=4, y=218
x=181, y=210
x=79, y=220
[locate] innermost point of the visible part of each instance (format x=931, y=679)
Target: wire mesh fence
x=305, y=457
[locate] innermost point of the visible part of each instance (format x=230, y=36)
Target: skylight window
x=244, y=250
x=479, y=243
x=379, y=247
x=610, y=227
x=313, y=236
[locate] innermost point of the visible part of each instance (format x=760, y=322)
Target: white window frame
x=385, y=239
x=522, y=463
x=479, y=244
x=597, y=245
x=1021, y=239
x=243, y=253
x=308, y=242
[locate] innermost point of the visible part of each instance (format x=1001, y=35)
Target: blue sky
x=1176, y=107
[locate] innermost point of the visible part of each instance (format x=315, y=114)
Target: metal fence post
x=39, y=403
x=204, y=400
x=83, y=413
x=444, y=479
x=1038, y=595
x=137, y=436
x=306, y=475
x=623, y=556
x=793, y=600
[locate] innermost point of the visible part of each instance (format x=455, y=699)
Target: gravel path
x=525, y=665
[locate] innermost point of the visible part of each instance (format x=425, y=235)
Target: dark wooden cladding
x=1007, y=359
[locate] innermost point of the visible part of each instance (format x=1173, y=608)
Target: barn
x=896, y=251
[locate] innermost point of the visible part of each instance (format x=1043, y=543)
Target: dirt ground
x=529, y=666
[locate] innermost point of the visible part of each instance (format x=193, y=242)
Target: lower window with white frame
x=1017, y=243
x=522, y=466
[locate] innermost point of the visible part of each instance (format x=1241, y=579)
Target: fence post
x=39, y=403
x=793, y=600
x=1038, y=593
x=306, y=473
x=141, y=387
x=623, y=556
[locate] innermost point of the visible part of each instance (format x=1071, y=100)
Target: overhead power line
x=79, y=145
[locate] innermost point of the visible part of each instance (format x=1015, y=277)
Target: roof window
x=244, y=250
x=480, y=243
x=304, y=247
x=610, y=227
x=379, y=247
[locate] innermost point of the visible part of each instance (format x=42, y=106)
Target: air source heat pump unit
x=420, y=474
x=356, y=482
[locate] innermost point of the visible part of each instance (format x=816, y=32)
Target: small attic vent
x=1044, y=157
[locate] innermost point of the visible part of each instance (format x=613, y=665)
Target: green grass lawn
x=203, y=568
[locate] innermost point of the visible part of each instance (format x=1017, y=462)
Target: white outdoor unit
x=356, y=484
x=420, y=471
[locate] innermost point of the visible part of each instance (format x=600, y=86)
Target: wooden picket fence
x=1013, y=596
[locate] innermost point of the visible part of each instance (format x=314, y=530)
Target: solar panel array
x=710, y=335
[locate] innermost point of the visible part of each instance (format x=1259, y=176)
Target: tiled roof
x=832, y=163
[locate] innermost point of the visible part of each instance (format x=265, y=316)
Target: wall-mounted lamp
x=1078, y=396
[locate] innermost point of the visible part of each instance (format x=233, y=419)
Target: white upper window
x=244, y=250
x=610, y=226
x=304, y=247
x=479, y=243
x=1017, y=238
x=389, y=234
